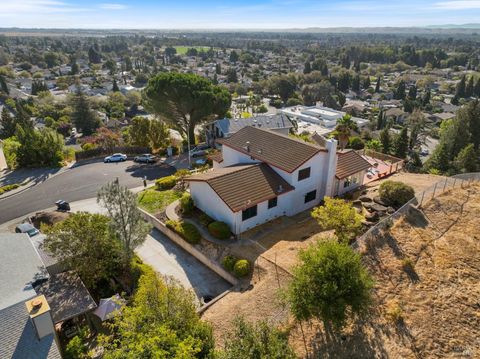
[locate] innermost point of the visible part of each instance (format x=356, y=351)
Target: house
x=261, y=174
x=323, y=117
x=226, y=127
x=26, y=325
x=34, y=302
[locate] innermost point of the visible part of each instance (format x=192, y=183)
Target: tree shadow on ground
x=19, y=176
x=358, y=343
x=150, y=171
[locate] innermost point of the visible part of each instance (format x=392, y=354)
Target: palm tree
x=344, y=129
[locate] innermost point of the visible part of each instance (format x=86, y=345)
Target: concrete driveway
x=169, y=259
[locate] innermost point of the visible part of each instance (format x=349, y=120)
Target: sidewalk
x=180, y=162
x=3, y=161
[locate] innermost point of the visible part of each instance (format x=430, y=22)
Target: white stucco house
x=262, y=174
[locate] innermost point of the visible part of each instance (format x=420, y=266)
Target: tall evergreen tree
x=377, y=86
x=467, y=159
x=83, y=117
x=307, y=68
x=461, y=88
x=3, y=85
x=8, y=124
x=385, y=140
x=356, y=83
x=469, y=89
x=401, y=143
x=426, y=98
x=400, y=90
x=115, y=86
x=380, y=120
x=476, y=89
x=412, y=92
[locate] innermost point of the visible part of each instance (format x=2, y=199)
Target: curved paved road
x=79, y=183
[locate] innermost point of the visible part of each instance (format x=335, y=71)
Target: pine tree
x=460, y=91
x=426, y=98
x=400, y=91
x=366, y=82
x=3, y=85
x=466, y=160
x=385, y=140
x=380, y=120
x=377, y=86
x=308, y=68
x=401, y=143
x=115, y=86
x=412, y=92
x=356, y=83
x=82, y=116
x=469, y=89
x=22, y=118
x=8, y=124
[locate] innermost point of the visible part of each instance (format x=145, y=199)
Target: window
x=249, y=213
x=304, y=174
x=350, y=181
x=310, y=196
x=272, y=202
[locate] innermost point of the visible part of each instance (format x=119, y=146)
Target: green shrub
x=182, y=173
x=186, y=230
x=8, y=187
x=356, y=143
x=229, y=262
x=219, y=230
x=166, y=183
x=186, y=204
x=241, y=268
x=407, y=264
x=395, y=194
x=394, y=311
x=205, y=219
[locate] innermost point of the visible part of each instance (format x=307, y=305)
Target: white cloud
x=458, y=4
x=110, y=6
x=38, y=6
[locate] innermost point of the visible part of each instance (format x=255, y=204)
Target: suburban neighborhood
x=215, y=185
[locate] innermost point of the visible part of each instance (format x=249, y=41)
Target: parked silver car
x=145, y=158
x=116, y=157
x=199, y=150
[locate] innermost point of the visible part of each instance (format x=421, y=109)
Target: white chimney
x=40, y=315
x=331, y=146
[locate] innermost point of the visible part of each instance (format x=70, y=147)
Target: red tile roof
x=245, y=185
x=349, y=163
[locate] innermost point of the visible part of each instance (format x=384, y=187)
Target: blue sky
x=217, y=14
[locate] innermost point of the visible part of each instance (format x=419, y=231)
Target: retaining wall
x=178, y=240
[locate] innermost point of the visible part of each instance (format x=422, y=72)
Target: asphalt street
x=79, y=183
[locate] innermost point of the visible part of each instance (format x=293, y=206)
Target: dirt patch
x=419, y=182
x=49, y=218
x=429, y=266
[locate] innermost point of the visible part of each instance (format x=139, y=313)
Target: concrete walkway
x=3, y=161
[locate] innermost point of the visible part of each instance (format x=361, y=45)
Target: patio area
x=382, y=165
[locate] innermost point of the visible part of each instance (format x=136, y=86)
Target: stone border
x=178, y=240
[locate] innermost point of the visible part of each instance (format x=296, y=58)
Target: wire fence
x=458, y=181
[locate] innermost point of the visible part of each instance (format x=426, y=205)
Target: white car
x=116, y=157
x=147, y=158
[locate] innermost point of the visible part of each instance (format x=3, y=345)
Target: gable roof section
x=277, y=150
x=243, y=186
x=349, y=163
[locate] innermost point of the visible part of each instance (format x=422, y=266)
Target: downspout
x=332, y=157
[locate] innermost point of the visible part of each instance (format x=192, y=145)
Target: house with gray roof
x=26, y=331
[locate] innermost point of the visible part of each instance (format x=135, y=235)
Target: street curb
x=32, y=183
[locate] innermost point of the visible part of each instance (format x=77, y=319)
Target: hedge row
x=8, y=187
x=99, y=152
x=165, y=183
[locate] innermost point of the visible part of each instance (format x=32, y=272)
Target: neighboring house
x=24, y=332
x=261, y=175
x=324, y=117
x=396, y=114
x=226, y=127
x=33, y=301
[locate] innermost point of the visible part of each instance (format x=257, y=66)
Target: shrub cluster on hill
x=186, y=230
x=395, y=194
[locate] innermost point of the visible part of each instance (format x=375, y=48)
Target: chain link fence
x=458, y=181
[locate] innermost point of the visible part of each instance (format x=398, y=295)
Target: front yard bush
x=205, y=219
x=186, y=230
x=229, y=262
x=186, y=204
x=241, y=268
x=219, y=230
x=166, y=183
x=395, y=194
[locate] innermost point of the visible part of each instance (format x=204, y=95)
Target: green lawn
x=154, y=201
x=182, y=50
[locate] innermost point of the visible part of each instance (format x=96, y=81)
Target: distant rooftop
x=230, y=126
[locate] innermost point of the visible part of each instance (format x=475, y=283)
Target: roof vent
x=247, y=146
x=280, y=188
x=260, y=151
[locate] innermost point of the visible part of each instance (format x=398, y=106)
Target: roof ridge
x=284, y=136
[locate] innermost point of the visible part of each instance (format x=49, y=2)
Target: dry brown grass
x=427, y=273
